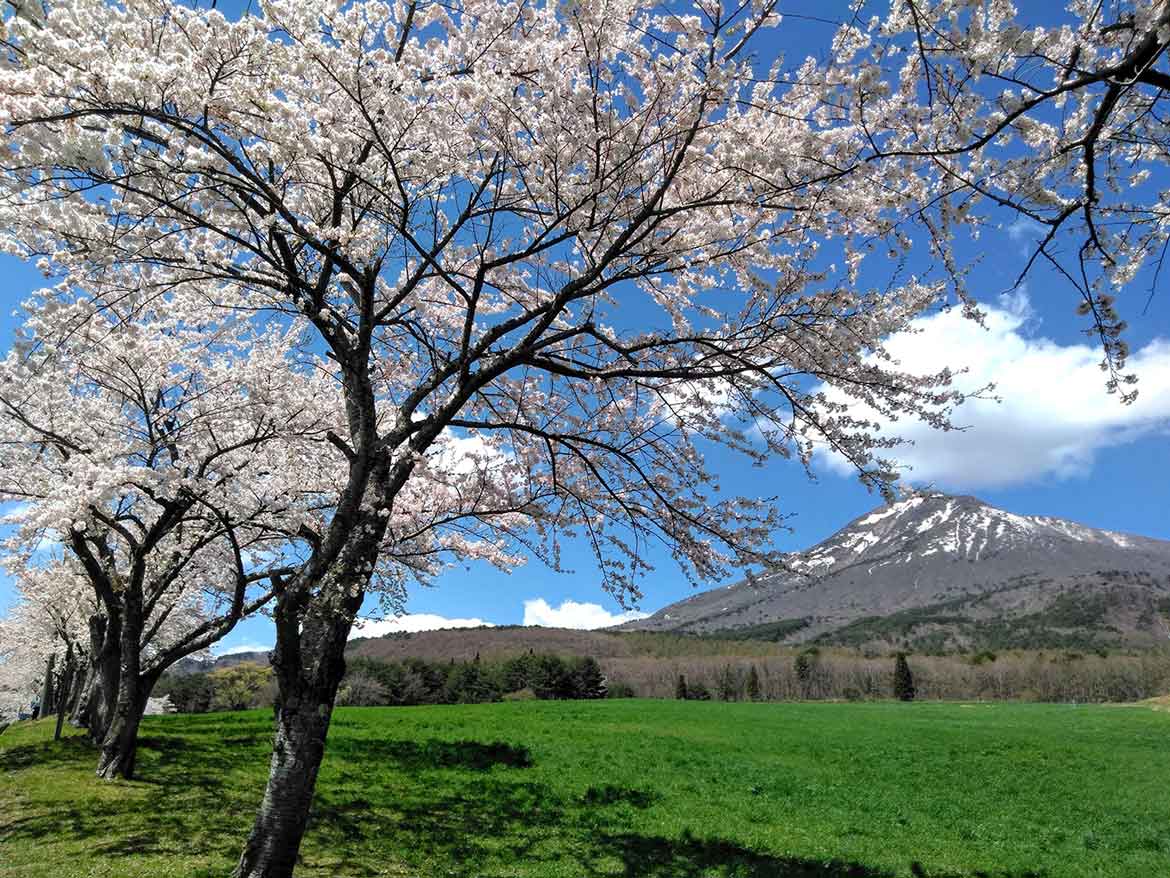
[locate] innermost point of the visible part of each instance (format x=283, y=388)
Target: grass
x=640, y=789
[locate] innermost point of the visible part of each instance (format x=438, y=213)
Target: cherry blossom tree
x=152, y=450
x=1058, y=124
x=582, y=241
x=48, y=625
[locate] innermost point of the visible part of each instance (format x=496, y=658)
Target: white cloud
x=571, y=614
x=463, y=454
x=1026, y=233
x=11, y=510
x=1054, y=415
x=411, y=622
x=242, y=647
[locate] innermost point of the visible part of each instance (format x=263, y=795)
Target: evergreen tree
x=680, y=688
x=467, y=684
x=753, y=684
x=551, y=678
x=590, y=681
x=517, y=673
x=903, y=679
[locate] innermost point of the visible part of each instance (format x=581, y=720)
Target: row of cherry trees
x=341, y=292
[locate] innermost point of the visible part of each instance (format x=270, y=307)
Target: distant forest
x=492, y=664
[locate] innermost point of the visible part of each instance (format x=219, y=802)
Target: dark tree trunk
x=301, y=727
x=119, y=743
x=103, y=697
x=119, y=749
x=102, y=692
x=79, y=707
x=309, y=664
x=73, y=706
x=45, y=706
x=65, y=687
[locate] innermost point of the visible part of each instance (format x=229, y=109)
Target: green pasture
x=633, y=788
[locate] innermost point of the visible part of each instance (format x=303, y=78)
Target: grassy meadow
x=634, y=788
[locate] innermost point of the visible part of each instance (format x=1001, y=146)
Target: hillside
x=463, y=644
x=934, y=571
x=508, y=640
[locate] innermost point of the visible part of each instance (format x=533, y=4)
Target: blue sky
x=1055, y=445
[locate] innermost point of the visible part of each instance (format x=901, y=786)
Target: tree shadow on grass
x=485, y=826
x=433, y=753
x=643, y=856
x=464, y=809
x=185, y=798
x=69, y=751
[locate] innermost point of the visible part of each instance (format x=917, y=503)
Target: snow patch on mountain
x=929, y=548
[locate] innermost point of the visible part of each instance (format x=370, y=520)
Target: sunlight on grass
x=655, y=789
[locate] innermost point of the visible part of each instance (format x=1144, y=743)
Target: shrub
x=698, y=692
x=680, y=688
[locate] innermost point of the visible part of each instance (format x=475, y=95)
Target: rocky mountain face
x=935, y=571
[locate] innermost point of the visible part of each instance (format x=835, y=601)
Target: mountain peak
x=931, y=548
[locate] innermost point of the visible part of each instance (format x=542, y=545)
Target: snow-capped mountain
x=935, y=570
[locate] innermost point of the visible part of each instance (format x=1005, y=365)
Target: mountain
x=196, y=666
x=934, y=571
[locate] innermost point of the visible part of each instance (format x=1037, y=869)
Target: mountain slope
x=939, y=571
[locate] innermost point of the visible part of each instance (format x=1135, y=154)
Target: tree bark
x=101, y=694
x=45, y=705
x=66, y=687
x=74, y=705
x=119, y=744
x=307, y=690
x=119, y=749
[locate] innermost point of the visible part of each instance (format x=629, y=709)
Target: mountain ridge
x=953, y=572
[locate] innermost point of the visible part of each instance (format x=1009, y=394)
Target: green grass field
x=622, y=788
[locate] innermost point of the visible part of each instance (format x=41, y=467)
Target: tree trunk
x=119, y=744
x=45, y=705
x=74, y=706
x=119, y=750
x=101, y=696
x=309, y=665
x=66, y=687
x=273, y=846
x=79, y=714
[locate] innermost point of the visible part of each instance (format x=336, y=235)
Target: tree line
x=806, y=675
x=372, y=682
x=835, y=674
